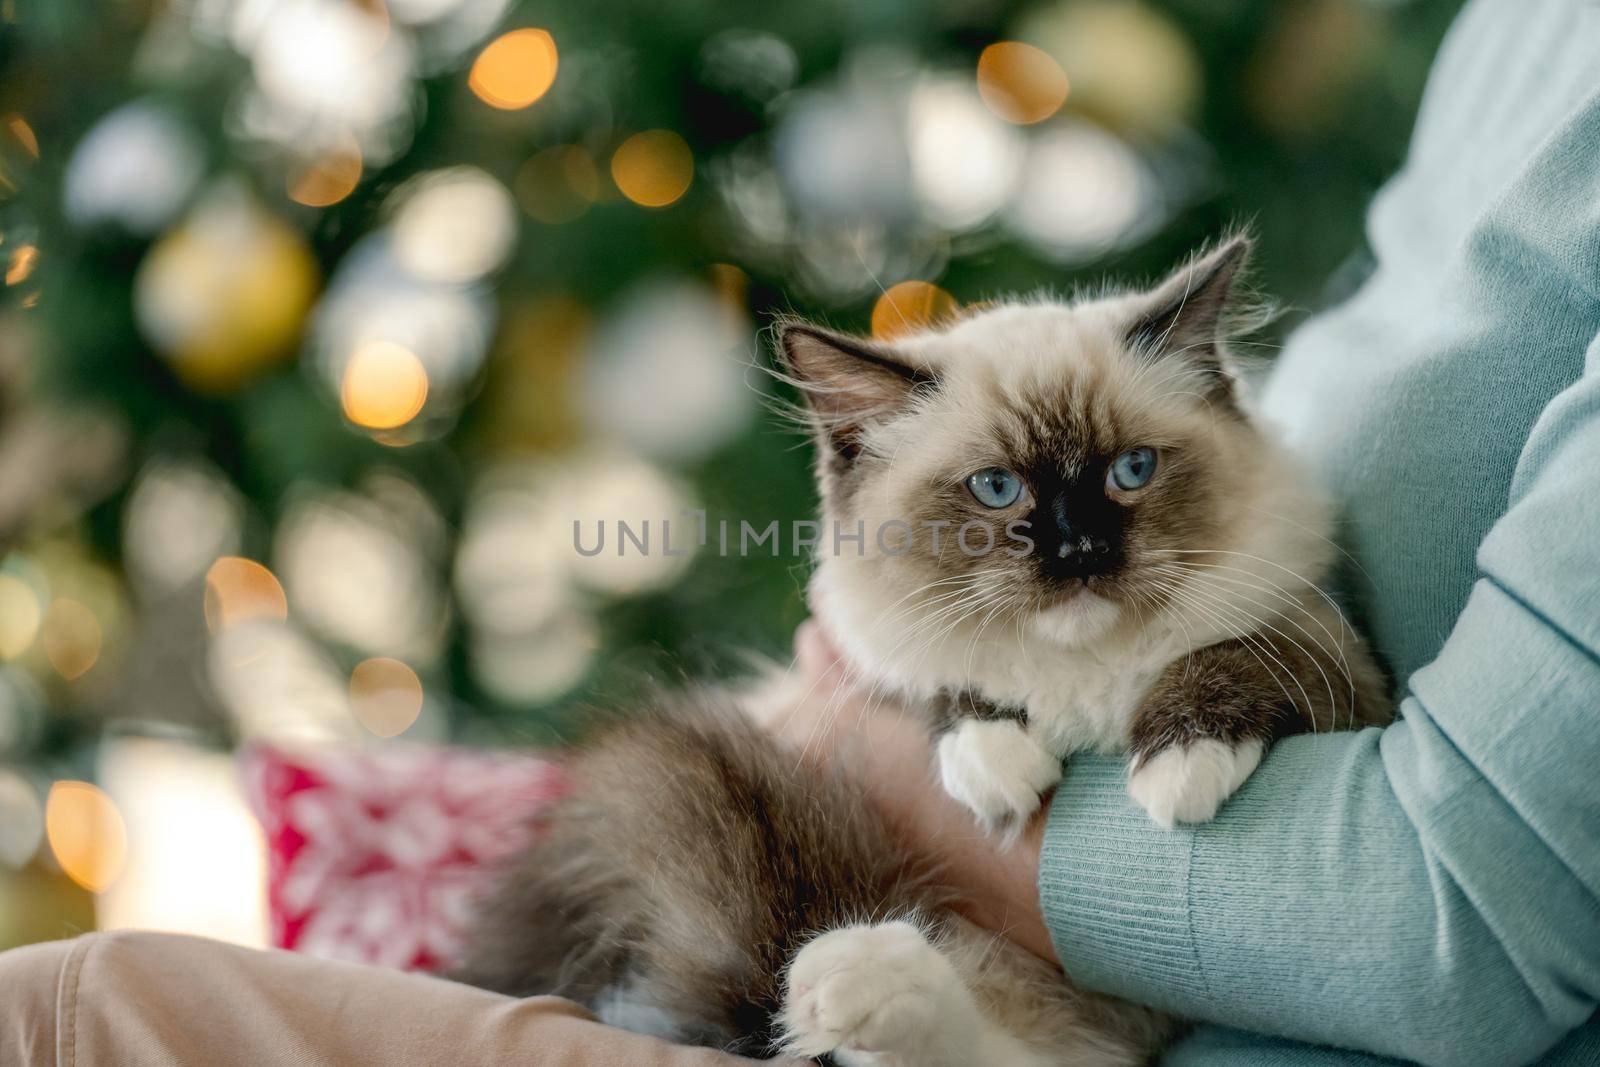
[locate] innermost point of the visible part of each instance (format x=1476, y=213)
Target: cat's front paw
x=996, y=770
x=881, y=988
x=1188, y=783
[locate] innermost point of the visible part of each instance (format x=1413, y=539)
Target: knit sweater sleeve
x=1417, y=891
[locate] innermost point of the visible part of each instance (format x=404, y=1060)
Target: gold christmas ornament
x=224, y=294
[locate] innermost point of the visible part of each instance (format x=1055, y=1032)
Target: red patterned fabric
x=375, y=854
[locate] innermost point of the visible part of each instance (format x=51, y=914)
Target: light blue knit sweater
x=1430, y=891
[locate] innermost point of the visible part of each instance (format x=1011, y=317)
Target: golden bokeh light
x=22, y=264
x=558, y=184
x=242, y=590
x=86, y=834
x=515, y=69
x=384, y=386
x=20, y=616
x=653, y=168
x=909, y=308
x=71, y=637
x=385, y=695
x=1021, y=83
x=325, y=181
x=24, y=134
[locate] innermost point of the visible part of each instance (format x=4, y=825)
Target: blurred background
x=323, y=319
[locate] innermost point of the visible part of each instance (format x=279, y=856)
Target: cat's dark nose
x=1085, y=544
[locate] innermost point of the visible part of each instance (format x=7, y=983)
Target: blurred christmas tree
x=323, y=319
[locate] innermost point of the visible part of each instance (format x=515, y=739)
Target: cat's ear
x=848, y=382
x=1187, y=315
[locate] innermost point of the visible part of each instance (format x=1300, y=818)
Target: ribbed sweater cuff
x=1115, y=889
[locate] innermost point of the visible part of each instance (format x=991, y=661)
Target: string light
x=86, y=834
x=22, y=263
x=19, y=616
x=384, y=386
x=1021, y=83
x=385, y=695
x=653, y=168
x=71, y=637
x=241, y=590
x=326, y=180
x=515, y=69
x=909, y=308
x=24, y=134
x=558, y=184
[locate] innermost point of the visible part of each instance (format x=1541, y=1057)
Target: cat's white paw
x=996, y=770
x=1189, y=784
x=881, y=988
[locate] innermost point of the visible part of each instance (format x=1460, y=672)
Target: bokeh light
x=136, y=168
x=385, y=695
x=23, y=258
x=910, y=307
x=964, y=161
x=1130, y=66
x=20, y=616
x=558, y=184
x=87, y=834
x=1021, y=83
x=1083, y=192
x=666, y=372
x=21, y=820
x=71, y=636
x=453, y=225
x=327, y=179
x=241, y=590
x=181, y=516
x=653, y=168
x=24, y=134
x=356, y=569
x=326, y=71
x=196, y=858
x=447, y=325
x=385, y=386
x=277, y=684
x=224, y=294
x=515, y=70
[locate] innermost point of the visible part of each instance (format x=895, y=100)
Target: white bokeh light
x=667, y=373
x=278, y=685
x=353, y=574
x=964, y=160
x=1083, y=192
x=196, y=859
x=325, y=71
x=181, y=515
x=136, y=167
x=453, y=225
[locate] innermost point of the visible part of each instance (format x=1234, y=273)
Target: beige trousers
x=164, y=1000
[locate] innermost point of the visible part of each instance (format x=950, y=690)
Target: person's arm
x=1430, y=891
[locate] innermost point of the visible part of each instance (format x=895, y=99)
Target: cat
x=1168, y=603
x=1073, y=535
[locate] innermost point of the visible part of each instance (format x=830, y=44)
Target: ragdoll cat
x=1091, y=545
x=1075, y=536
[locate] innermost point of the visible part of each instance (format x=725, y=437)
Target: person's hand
x=844, y=724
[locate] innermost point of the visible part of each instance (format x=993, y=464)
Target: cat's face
x=1060, y=466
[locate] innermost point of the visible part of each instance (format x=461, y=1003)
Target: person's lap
x=164, y=1000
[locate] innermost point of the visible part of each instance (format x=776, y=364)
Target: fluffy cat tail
x=692, y=858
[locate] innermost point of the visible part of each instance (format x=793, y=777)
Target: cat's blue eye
x=995, y=487
x=1133, y=469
